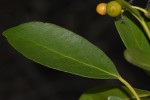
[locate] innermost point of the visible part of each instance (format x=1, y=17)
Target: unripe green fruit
x=113, y=9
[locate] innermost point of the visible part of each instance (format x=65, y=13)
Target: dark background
x=22, y=79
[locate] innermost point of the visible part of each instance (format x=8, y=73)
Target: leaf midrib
x=132, y=35
x=138, y=44
x=59, y=53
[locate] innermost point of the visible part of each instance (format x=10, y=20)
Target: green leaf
x=132, y=35
x=121, y=93
x=136, y=43
x=58, y=48
x=114, y=98
x=138, y=58
x=148, y=24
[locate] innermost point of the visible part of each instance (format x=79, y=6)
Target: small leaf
x=58, y=48
x=138, y=58
x=132, y=35
x=122, y=93
x=114, y=98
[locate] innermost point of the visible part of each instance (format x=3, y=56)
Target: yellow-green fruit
x=113, y=9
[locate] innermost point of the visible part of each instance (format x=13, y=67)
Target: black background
x=22, y=79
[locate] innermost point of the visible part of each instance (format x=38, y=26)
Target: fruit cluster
x=111, y=8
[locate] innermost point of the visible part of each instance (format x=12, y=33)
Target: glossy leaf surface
x=61, y=49
x=138, y=58
x=105, y=93
x=132, y=35
x=114, y=98
x=138, y=48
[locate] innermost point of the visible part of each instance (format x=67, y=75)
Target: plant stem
x=142, y=20
x=129, y=87
x=140, y=9
x=146, y=28
x=144, y=25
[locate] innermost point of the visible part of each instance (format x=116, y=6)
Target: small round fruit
x=101, y=8
x=113, y=9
